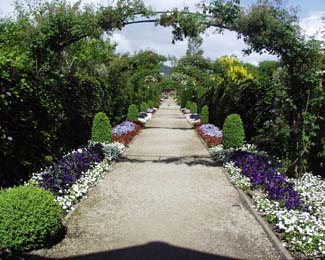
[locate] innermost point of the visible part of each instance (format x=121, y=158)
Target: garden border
x=283, y=252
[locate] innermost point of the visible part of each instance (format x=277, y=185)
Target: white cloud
x=313, y=24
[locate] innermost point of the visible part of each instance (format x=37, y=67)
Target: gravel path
x=164, y=200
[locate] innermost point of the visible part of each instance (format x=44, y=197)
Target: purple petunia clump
x=143, y=115
x=262, y=173
x=123, y=128
x=195, y=117
x=61, y=176
x=150, y=110
x=211, y=130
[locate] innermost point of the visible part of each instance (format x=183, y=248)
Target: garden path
x=165, y=199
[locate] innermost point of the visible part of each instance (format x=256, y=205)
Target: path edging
x=282, y=251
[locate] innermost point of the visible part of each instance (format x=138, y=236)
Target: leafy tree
x=266, y=69
x=193, y=47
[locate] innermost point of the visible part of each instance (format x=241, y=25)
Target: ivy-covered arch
x=265, y=26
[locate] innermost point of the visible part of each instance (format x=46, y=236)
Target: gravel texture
x=165, y=199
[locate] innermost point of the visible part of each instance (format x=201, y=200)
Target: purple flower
x=195, y=117
x=69, y=169
x=143, y=115
x=211, y=130
x=264, y=175
x=123, y=128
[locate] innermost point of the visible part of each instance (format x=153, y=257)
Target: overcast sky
x=146, y=36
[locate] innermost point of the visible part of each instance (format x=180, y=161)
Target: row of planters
x=125, y=131
x=210, y=133
x=31, y=214
x=295, y=208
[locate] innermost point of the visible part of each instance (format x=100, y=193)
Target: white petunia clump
x=304, y=232
x=312, y=192
x=239, y=180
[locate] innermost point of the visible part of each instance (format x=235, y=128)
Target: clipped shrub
x=133, y=113
x=144, y=107
x=29, y=218
x=233, y=132
x=101, y=130
x=150, y=104
x=188, y=104
x=205, y=114
x=193, y=108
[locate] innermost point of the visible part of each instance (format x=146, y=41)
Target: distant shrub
x=144, y=107
x=133, y=113
x=150, y=104
x=193, y=108
x=188, y=104
x=101, y=130
x=233, y=132
x=29, y=218
x=205, y=114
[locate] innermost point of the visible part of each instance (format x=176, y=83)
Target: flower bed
x=186, y=111
x=124, y=132
x=60, y=177
x=72, y=176
x=211, y=134
x=152, y=110
x=295, y=207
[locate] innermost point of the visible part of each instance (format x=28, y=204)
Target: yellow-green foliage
x=235, y=71
x=29, y=218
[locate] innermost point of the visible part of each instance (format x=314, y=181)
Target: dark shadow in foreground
x=150, y=251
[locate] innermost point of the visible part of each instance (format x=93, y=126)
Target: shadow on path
x=150, y=251
x=188, y=160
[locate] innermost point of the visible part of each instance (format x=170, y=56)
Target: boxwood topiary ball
x=29, y=218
